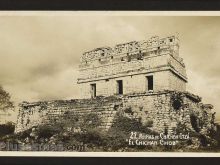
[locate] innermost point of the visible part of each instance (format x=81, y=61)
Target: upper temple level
x=145, y=48
x=155, y=56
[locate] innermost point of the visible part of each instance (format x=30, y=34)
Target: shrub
x=203, y=140
x=92, y=136
x=176, y=100
x=215, y=134
x=127, y=125
x=7, y=129
x=181, y=128
x=194, y=123
x=128, y=110
x=46, y=131
x=90, y=121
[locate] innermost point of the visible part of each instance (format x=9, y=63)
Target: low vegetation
x=85, y=130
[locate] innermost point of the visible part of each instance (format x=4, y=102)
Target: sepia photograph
x=124, y=82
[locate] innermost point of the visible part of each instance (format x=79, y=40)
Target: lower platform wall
x=164, y=110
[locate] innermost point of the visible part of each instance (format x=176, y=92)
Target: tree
x=5, y=102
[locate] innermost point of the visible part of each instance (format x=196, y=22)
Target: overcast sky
x=39, y=55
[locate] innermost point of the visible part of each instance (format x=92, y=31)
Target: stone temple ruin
x=145, y=80
x=135, y=67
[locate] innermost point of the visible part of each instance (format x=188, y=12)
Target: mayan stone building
x=144, y=80
x=134, y=67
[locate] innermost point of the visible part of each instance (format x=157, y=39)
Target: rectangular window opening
x=119, y=87
x=93, y=90
x=150, y=83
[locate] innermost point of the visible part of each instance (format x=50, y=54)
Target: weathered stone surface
x=157, y=108
x=33, y=114
x=166, y=107
x=131, y=62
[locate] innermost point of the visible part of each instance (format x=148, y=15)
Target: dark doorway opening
x=93, y=90
x=119, y=87
x=150, y=83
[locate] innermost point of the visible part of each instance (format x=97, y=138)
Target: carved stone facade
x=132, y=66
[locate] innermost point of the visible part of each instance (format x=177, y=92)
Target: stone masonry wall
x=166, y=110
x=160, y=109
x=134, y=84
x=116, y=69
x=132, y=62
x=33, y=114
